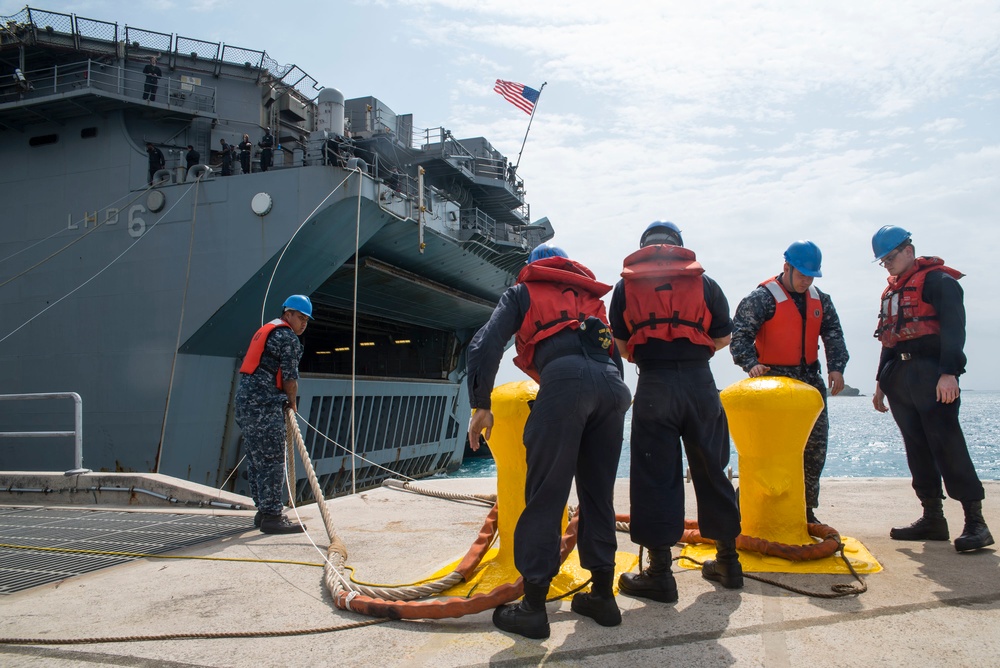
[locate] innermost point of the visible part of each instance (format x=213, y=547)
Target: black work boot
x=599, y=604
x=976, y=534
x=527, y=617
x=279, y=524
x=655, y=583
x=725, y=568
x=256, y=519
x=931, y=526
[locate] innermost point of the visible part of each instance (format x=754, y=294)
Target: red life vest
x=785, y=340
x=563, y=293
x=256, y=350
x=665, y=297
x=904, y=315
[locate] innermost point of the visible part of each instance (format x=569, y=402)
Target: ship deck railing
x=106, y=80
x=492, y=166
x=374, y=129
x=474, y=222
x=36, y=27
x=438, y=143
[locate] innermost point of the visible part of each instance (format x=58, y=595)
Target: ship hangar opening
x=412, y=327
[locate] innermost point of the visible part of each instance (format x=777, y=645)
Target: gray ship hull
x=142, y=298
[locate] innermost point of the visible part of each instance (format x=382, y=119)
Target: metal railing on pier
x=77, y=432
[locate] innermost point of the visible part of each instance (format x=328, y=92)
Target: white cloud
x=942, y=125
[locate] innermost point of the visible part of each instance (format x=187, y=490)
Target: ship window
x=88, y=133
x=42, y=140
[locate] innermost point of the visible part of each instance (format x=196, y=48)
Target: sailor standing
x=776, y=331
x=268, y=383
x=245, y=147
x=266, y=144
x=922, y=329
x=192, y=157
x=153, y=74
x=670, y=318
x=227, y=158
x=156, y=160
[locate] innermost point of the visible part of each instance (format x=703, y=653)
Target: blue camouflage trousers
x=264, y=442
x=814, y=458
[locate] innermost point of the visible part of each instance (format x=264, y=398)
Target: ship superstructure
x=142, y=298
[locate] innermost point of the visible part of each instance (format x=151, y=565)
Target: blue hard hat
x=545, y=250
x=299, y=303
x=806, y=257
x=661, y=232
x=888, y=238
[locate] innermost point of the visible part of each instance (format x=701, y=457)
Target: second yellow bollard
x=770, y=418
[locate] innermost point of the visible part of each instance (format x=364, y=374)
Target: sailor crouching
x=574, y=429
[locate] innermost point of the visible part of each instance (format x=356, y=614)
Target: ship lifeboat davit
x=770, y=419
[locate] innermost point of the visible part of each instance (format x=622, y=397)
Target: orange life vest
x=665, y=297
x=904, y=315
x=256, y=350
x=562, y=294
x=785, y=339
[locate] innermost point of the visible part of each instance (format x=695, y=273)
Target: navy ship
x=139, y=289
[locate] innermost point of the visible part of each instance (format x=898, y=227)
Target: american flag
x=519, y=95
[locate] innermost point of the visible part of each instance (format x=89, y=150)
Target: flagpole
x=533, y=109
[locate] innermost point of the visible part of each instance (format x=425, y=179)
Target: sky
x=748, y=124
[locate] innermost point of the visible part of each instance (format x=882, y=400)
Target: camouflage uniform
x=260, y=415
x=757, y=308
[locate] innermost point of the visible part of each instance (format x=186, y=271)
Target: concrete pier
x=930, y=605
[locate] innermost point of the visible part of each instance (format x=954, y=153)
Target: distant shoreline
x=847, y=391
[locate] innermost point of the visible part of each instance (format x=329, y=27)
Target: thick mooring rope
x=402, y=602
x=486, y=499
x=333, y=572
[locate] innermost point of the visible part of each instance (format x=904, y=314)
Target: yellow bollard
x=770, y=418
x=510, y=413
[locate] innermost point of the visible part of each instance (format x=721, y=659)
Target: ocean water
x=863, y=442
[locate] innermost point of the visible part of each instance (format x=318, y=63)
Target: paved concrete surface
x=930, y=606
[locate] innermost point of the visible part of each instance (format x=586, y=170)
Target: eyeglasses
x=888, y=259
